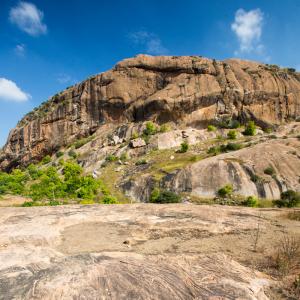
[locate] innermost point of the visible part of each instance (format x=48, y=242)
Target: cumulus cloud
x=150, y=41
x=9, y=91
x=20, y=50
x=28, y=18
x=248, y=28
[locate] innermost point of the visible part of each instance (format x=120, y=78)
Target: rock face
x=245, y=170
x=187, y=90
x=138, y=251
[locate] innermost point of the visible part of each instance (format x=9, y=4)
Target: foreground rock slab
x=138, y=251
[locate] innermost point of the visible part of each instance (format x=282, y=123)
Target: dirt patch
x=94, y=237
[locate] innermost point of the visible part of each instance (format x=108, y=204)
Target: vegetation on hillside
x=51, y=185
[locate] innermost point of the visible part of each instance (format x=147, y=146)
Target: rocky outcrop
x=136, y=252
x=188, y=90
x=245, y=170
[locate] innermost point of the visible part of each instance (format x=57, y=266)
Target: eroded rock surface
x=245, y=170
x=188, y=90
x=136, y=252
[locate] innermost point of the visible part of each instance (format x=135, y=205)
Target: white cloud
x=20, y=50
x=151, y=42
x=248, y=28
x=9, y=91
x=28, y=18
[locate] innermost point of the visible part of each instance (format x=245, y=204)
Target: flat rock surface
x=139, y=251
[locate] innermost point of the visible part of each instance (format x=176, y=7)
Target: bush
x=184, y=147
x=251, y=201
x=224, y=148
x=46, y=159
x=211, y=128
x=288, y=198
x=270, y=171
x=59, y=154
x=232, y=134
x=54, y=203
x=111, y=157
x=28, y=204
x=141, y=162
x=225, y=191
x=134, y=135
x=109, y=200
x=79, y=143
x=234, y=124
x=229, y=123
x=255, y=178
x=150, y=128
x=250, y=129
x=214, y=150
x=232, y=147
x=13, y=183
x=164, y=196
x=124, y=156
x=165, y=128
x=72, y=154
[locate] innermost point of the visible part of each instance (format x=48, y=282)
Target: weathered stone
x=187, y=90
x=136, y=143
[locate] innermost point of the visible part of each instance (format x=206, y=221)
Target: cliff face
x=189, y=90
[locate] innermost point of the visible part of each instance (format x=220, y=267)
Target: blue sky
x=47, y=45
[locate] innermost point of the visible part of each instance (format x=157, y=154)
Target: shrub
x=214, y=150
x=232, y=134
x=109, y=200
x=28, y=204
x=287, y=257
x=233, y=147
x=124, y=156
x=141, y=162
x=250, y=129
x=251, y=201
x=54, y=203
x=270, y=171
x=150, y=128
x=211, y=128
x=225, y=190
x=255, y=178
x=59, y=154
x=83, y=141
x=288, y=198
x=13, y=183
x=229, y=123
x=46, y=159
x=165, y=128
x=154, y=195
x=184, y=147
x=164, y=196
x=72, y=154
x=268, y=130
x=111, y=157
x=234, y=124
x=134, y=135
